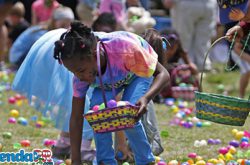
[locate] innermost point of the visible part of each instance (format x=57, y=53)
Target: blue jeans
x=136, y=136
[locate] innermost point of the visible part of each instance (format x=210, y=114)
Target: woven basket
x=219, y=108
x=112, y=119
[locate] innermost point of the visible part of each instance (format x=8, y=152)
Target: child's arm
x=76, y=125
x=161, y=79
x=238, y=49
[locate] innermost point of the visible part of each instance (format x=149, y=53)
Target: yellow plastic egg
x=232, y=150
x=19, y=102
x=222, y=157
x=198, y=158
x=157, y=159
x=213, y=161
x=234, y=131
x=220, y=161
x=173, y=162
x=239, y=135
x=14, y=113
x=229, y=157
x=200, y=162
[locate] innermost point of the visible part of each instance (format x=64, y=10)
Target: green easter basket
x=219, y=108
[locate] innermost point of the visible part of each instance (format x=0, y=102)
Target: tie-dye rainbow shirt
x=129, y=55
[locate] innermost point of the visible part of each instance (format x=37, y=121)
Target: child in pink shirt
x=42, y=10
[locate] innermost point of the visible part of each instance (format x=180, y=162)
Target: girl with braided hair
x=135, y=69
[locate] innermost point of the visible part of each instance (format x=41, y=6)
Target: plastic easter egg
x=25, y=143
x=190, y=161
x=223, y=150
x=157, y=159
x=229, y=156
x=12, y=100
x=22, y=121
x=206, y=124
x=217, y=141
x=18, y=97
x=161, y=163
x=244, y=139
x=198, y=158
x=220, y=88
x=164, y=134
x=59, y=162
x=17, y=146
x=12, y=120
x=239, y=154
x=197, y=143
x=112, y=104
x=247, y=134
x=33, y=118
x=247, y=162
x=234, y=131
x=125, y=163
x=185, y=163
x=247, y=154
x=232, y=162
x=14, y=113
x=7, y=135
x=192, y=155
x=39, y=124
x=244, y=145
x=210, y=141
x=234, y=143
x=221, y=157
x=213, y=161
x=200, y=162
x=174, y=108
x=95, y=108
x=239, y=135
x=169, y=101
x=121, y=103
x=199, y=124
x=173, y=162
x=102, y=106
x=232, y=150
x=203, y=143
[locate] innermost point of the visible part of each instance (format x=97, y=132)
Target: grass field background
x=177, y=145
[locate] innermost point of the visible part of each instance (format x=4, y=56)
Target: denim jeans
x=137, y=138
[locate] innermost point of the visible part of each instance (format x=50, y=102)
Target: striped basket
x=112, y=119
x=221, y=109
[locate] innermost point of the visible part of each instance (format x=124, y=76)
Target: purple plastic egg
x=111, y=103
x=217, y=141
x=234, y=143
x=12, y=120
x=210, y=141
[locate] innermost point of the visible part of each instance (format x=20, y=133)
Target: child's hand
x=238, y=48
x=236, y=15
x=142, y=102
x=193, y=68
x=230, y=33
x=127, y=154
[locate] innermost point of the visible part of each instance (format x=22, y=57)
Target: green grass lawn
x=177, y=145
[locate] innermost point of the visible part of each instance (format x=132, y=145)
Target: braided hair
x=78, y=41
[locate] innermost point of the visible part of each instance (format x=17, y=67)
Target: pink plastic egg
x=95, y=108
x=192, y=155
x=223, y=150
x=12, y=100
x=12, y=120
x=25, y=143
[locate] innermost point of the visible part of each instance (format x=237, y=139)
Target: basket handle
x=228, y=53
x=100, y=73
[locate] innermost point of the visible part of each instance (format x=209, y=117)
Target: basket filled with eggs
x=116, y=116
